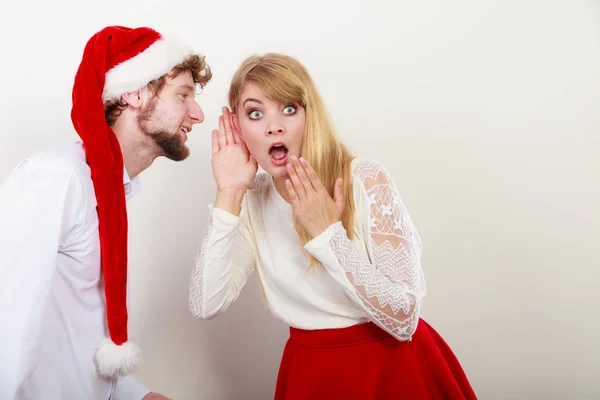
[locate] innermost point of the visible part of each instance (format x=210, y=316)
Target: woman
x=337, y=255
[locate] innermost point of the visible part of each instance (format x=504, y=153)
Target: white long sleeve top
x=377, y=276
x=52, y=304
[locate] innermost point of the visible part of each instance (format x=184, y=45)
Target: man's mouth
x=278, y=153
x=185, y=130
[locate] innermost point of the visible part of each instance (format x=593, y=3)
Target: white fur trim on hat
x=114, y=360
x=133, y=74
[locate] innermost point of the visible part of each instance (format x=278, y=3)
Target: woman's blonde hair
x=285, y=80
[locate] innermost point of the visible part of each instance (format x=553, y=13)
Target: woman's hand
x=311, y=203
x=234, y=168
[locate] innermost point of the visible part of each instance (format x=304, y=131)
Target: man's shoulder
x=58, y=172
x=61, y=166
x=67, y=158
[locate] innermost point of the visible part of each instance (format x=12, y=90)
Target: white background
x=487, y=114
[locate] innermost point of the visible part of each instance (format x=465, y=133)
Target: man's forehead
x=181, y=77
x=181, y=81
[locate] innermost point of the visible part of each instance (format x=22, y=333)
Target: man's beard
x=171, y=145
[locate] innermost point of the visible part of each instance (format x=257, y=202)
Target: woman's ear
x=235, y=124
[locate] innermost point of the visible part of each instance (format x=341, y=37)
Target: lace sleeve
x=224, y=261
x=388, y=284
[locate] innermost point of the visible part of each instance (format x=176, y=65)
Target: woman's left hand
x=311, y=203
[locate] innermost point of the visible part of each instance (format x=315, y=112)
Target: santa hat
x=116, y=60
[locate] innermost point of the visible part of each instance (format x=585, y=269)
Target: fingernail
x=294, y=158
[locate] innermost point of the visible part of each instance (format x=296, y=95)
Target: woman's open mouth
x=278, y=153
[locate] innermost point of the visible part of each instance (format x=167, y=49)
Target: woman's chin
x=275, y=170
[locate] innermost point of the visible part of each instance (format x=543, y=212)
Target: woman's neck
x=280, y=186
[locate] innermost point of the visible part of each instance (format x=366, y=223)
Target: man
x=63, y=220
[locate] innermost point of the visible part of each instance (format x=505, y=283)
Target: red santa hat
x=116, y=60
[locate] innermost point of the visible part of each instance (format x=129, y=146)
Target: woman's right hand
x=234, y=168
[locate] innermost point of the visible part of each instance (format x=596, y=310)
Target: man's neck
x=136, y=158
x=138, y=150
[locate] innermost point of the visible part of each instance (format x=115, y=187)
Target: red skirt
x=364, y=362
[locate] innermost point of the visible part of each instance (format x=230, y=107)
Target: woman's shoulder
x=261, y=181
x=367, y=168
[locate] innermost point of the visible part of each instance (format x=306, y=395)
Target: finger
x=296, y=182
x=227, y=124
x=338, y=194
x=302, y=175
x=312, y=176
x=222, y=138
x=215, y=141
x=291, y=192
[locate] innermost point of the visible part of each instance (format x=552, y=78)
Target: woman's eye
x=255, y=114
x=289, y=110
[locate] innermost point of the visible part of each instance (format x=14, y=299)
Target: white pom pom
x=116, y=360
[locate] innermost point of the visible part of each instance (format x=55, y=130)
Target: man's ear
x=134, y=99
